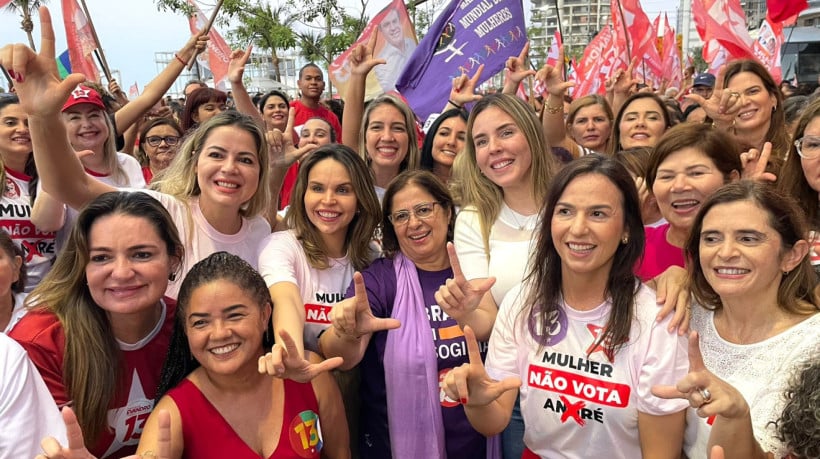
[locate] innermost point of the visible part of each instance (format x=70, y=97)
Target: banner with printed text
x=467, y=34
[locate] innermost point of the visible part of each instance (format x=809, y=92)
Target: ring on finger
x=734, y=94
x=704, y=392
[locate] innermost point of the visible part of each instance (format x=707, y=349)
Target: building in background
x=580, y=22
x=259, y=75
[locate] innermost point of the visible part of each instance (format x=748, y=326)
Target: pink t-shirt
x=659, y=254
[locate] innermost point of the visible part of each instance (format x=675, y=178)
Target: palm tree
x=270, y=28
x=26, y=8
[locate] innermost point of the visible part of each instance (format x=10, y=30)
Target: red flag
x=555, y=49
x=395, y=44
x=218, y=54
x=620, y=37
x=767, y=47
x=133, y=91
x=4, y=3
x=784, y=11
x=80, y=40
x=721, y=25
x=672, y=71
x=594, y=66
x=642, y=40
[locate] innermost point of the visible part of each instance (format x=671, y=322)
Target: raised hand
x=724, y=104
x=622, y=82
x=754, y=164
x=236, y=67
x=283, y=152
x=553, y=77
x=195, y=45
x=76, y=447
x=361, y=58
x=705, y=392
x=284, y=361
x=470, y=383
x=464, y=87
x=36, y=79
x=458, y=296
x=517, y=67
x=353, y=318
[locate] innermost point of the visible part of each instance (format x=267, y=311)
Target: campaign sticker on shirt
x=305, y=434
x=11, y=189
x=446, y=401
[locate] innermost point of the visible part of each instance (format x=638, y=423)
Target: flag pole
x=99, y=51
x=560, y=31
x=206, y=30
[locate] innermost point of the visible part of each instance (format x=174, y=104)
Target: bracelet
x=180, y=59
x=455, y=104
x=553, y=109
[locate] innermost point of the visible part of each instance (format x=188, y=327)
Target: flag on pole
x=465, y=36
x=784, y=11
x=620, y=39
x=642, y=40
x=721, y=25
x=555, y=50
x=133, y=91
x=80, y=40
x=767, y=47
x=395, y=44
x=671, y=58
x=217, y=55
x=596, y=64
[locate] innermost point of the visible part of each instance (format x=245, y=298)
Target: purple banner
x=467, y=34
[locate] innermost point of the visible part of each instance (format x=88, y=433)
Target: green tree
x=697, y=56
x=267, y=28
x=25, y=8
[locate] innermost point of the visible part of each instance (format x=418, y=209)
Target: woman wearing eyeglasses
x=404, y=413
x=159, y=140
x=800, y=176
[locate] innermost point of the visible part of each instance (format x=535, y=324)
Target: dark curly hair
x=799, y=425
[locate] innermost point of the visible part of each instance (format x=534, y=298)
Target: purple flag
x=467, y=34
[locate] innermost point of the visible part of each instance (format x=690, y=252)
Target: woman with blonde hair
x=501, y=180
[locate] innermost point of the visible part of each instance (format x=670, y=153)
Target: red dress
x=207, y=434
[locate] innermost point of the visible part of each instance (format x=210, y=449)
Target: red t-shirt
x=43, y=337
x=303, y=114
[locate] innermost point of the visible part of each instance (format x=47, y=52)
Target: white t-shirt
x=39, y=248
x=760, y=371
x=577, y=399
x=201, y=239
x=511, y=242
x=17, y=313
x=282, y=259
x=27, y=411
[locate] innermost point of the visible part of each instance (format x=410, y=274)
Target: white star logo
x=80, y=93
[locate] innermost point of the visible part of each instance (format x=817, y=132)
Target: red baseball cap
x=84, y=95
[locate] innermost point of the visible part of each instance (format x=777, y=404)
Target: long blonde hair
x=180, y=180
x=471, y=188
x=92, y=363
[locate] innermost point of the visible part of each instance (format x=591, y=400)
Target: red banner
x=672, y=71
x=596, y=64
x=80, y=40
x=721, y=25
x=217, y=55
x=767, y=47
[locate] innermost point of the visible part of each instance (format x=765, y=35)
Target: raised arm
x=470, y=303
x=156, y=89
x=552, y=118
x=242, y=100
x=361, y=63
x=517, y=70
x=463, y=91
x=42, y=95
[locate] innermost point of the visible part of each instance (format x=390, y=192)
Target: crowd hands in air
x=620, y=275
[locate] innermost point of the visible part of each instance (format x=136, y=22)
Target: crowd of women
x=602, y=278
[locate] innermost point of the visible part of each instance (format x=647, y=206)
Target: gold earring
x=624, y=239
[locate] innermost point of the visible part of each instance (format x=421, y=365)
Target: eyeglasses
x=808, y=146
x=422, y=211
x=155, y=140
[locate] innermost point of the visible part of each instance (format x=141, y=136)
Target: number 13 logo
x=306, y=434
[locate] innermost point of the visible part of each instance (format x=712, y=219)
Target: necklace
x=516, y=222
